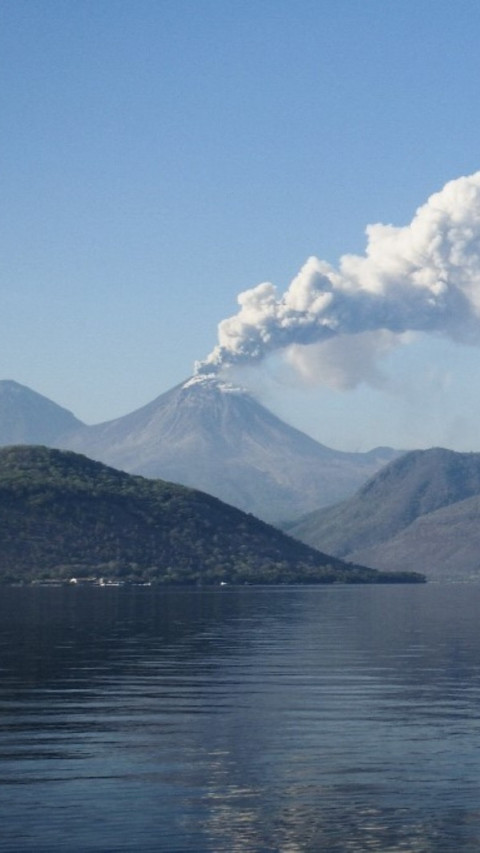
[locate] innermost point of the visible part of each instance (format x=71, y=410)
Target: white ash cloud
x=423, y=277
x=344, y=361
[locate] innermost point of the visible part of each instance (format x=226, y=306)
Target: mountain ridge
x=28, y=417
x=421, y=506
x=213, y=436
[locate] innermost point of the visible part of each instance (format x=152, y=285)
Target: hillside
x=420, y=509
x=444, y=544
x=30, y=418
x=63, y=514
x=213, y=436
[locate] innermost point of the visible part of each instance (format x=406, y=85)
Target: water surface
x=202, y=721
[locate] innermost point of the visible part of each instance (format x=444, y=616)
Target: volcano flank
x=214, y=436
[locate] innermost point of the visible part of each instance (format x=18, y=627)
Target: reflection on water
x=321, y=719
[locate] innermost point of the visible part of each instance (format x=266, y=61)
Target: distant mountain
x=62, y=514
x=29, y=418
x=421, y=511
x=212, y=436
x=216, y=437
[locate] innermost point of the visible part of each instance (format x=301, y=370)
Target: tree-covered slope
x=61, y=514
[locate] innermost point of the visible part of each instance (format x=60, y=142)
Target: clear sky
x=158, y=158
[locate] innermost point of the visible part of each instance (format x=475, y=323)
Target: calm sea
x=286, y=719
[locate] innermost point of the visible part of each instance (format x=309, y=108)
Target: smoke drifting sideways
x=334, y=325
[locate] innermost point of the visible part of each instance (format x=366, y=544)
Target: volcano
x=214, y=436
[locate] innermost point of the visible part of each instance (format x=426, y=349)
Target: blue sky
x=158, y=158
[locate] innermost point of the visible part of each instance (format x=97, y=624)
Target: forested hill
x=61, y=514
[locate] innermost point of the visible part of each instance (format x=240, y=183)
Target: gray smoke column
x=424, y=277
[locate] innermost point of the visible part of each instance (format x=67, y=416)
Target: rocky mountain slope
x=421, y=510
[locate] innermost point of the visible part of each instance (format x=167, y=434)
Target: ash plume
x=423, y=277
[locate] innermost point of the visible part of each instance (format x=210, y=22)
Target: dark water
x=325, y=719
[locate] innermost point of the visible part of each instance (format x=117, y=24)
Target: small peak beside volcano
x=27, y=417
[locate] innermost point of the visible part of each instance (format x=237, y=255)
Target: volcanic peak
x=212, y=381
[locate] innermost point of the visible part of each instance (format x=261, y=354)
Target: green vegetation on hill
x=61, y=514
